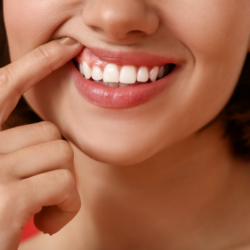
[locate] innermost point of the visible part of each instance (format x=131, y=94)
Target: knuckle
x=63, y=148
x=12, y=207
x=6, y=169
x=6, y=197
x=47, y=130
x=43, y=55
x=5, y=77
x=65, y=177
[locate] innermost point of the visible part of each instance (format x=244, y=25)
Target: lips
x=121, y=80
x=114, y=75
x=131, y=58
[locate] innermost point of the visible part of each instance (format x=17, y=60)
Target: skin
x=173, y=184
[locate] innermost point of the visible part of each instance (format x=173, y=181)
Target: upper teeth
x=116, y=75
x=128, y=74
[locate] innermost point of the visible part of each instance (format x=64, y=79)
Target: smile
x=121, y=80
x=114, y=75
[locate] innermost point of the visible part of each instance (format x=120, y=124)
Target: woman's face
x=206, y=39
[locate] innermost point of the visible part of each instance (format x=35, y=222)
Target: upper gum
x=92, y=60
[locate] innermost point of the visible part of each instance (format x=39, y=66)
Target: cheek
x=209, y=28
x=216, y=33
x=30, y=23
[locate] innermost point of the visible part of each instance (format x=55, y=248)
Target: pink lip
x=135, y=58
x=124, y=97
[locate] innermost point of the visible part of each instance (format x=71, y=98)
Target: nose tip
x=120, y=19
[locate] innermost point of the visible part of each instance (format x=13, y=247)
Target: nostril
x=135, y=32
x=123, y=19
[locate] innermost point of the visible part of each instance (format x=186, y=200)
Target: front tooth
x=81, y=69
x=87, y=70
x=96, y=73
x=128, y=74
x=161, y=72
x=153, y=73
x=111, y=73
x=142, y=75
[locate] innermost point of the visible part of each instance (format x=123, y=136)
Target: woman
x=146, y=95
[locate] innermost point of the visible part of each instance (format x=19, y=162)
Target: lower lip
x=124, y=97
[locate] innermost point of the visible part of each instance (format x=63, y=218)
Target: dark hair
x=4, y=56
x=236, y=113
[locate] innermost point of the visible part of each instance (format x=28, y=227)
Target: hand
x=36, y=165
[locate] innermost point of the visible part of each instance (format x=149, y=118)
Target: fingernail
x=68, y=41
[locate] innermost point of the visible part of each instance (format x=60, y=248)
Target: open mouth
x=116, y=76
x=122, y=79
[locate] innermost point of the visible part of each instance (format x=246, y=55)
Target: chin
x=114, y=152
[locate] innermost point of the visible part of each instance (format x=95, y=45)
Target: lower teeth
x=114, y=84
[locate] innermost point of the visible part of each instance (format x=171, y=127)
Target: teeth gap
x=168, y=68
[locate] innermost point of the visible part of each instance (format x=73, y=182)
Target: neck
x=176, y=194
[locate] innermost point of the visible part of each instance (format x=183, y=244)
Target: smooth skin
x=160, y=175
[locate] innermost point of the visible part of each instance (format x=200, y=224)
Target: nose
x=120, y=19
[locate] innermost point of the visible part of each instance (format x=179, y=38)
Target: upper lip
x=136, y=58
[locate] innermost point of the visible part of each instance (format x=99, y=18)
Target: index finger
x=16, y=78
